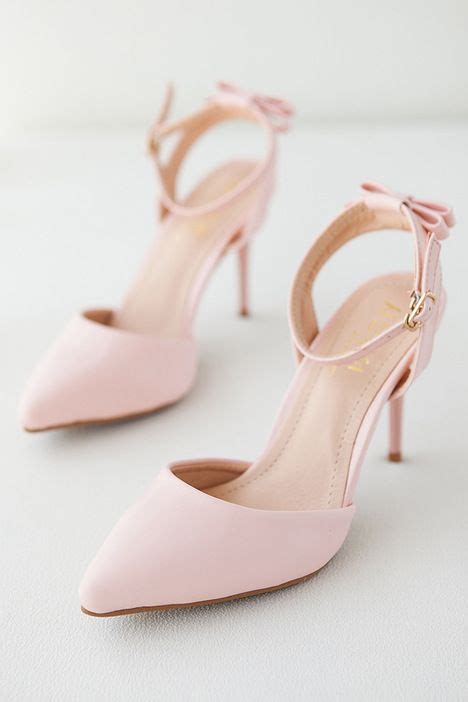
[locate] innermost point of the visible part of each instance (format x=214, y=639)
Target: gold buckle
x=152, y=143
x=418, y=302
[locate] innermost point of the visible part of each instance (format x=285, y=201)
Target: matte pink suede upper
x=177, y=545
x=95, y=371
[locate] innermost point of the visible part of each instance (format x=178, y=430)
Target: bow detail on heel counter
x=276, y=110
x=435, y=217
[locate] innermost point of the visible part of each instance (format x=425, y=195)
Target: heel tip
x=244, y=312
x=395, y=457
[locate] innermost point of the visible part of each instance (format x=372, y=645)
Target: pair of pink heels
x=213, y=530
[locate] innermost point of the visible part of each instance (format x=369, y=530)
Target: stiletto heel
x=115, y=364
x=243, y=263
x=211, y=530
x=395, y=416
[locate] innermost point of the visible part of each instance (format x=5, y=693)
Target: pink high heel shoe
x=113, y=364
x=214, y=530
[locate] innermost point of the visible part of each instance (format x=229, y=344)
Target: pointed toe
x=98, y=373
x=98, y=594
x=36, y=413
x=178, y=546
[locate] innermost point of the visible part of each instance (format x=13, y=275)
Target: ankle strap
x=378, y=208
x=228, y=102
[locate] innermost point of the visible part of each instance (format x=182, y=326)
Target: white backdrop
x=385, y=619
x=68, y=63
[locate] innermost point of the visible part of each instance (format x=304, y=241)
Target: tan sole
x=108, y=420
x=203, y=603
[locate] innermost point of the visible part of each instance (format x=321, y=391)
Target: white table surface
x=384, y=621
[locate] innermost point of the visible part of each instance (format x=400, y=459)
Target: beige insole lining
x=159, y=301
x=306, y=465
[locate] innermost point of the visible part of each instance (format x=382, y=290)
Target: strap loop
x=153, y=136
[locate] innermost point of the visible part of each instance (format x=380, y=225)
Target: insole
x=305, y=466
x=159, y=301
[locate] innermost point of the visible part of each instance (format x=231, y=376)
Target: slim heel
x=243, y=263
x=395, y=416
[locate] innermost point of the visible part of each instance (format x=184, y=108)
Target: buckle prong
x=418, y=302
